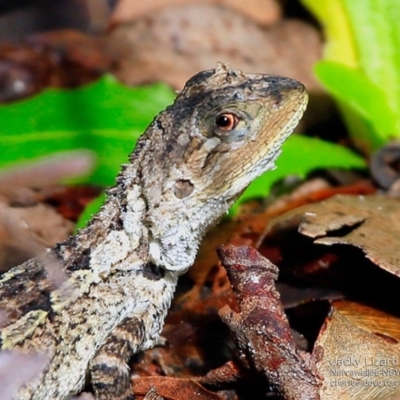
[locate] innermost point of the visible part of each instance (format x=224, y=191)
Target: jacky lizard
x=224, y=129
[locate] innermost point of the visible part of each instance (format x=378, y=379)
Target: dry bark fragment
x=261, y=329
x=25, y=232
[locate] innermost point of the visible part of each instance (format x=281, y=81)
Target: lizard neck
x=129, y=231
x=174, y=242
x=117, y=238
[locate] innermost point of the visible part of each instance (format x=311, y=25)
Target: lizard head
x=224, y=129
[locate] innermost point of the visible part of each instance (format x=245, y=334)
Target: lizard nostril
x=183, y=188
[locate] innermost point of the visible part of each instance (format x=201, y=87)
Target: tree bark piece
x=261, y=329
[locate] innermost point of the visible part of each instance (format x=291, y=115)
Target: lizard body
x=119, y=273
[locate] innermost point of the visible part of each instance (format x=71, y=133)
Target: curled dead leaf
x=47, y=170
x=171, y=388
x=371, y=223
x=359, y=351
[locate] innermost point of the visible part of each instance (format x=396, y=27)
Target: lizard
x=223, y=130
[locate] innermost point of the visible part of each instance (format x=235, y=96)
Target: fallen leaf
x=62, y=58
x=371, y=223
x=25, y=232
x=263, y=12
x=175, y=42
x=359, y=351
x=48, y=170
x=172, y=388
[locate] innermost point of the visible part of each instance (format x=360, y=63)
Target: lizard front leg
x=109, y=370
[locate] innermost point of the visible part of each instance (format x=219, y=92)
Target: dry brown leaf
x=359, y=353
x=45, y=224
x=26, y=231
x=371, y=223
x=177, y=41
x=48, y=170
x=172, y=388
x=27, y=226
x=63, y=58
x=263, y=12
x=153, y=395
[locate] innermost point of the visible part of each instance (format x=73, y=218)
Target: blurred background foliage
x=358, y=64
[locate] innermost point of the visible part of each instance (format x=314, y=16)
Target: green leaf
x=300, y=156
x=106, y=117
x=363, y=35
x=89, y=211
x=354, y=89
x=376, y=28
x=340, y=46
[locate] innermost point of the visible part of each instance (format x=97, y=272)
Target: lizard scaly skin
x=224, y=129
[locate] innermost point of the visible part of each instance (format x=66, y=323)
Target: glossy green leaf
x=353, y=88
x=363, y=35
x=376, y=28
x=89, y=211
x=106, y=117
x=340, y=46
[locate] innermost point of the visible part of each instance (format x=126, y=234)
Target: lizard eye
x=226, y=122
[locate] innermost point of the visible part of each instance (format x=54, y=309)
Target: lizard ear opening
x=183, y=188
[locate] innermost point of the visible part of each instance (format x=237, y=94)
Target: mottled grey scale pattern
x=26, y=289
x=82, y=261
x=102, y=296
